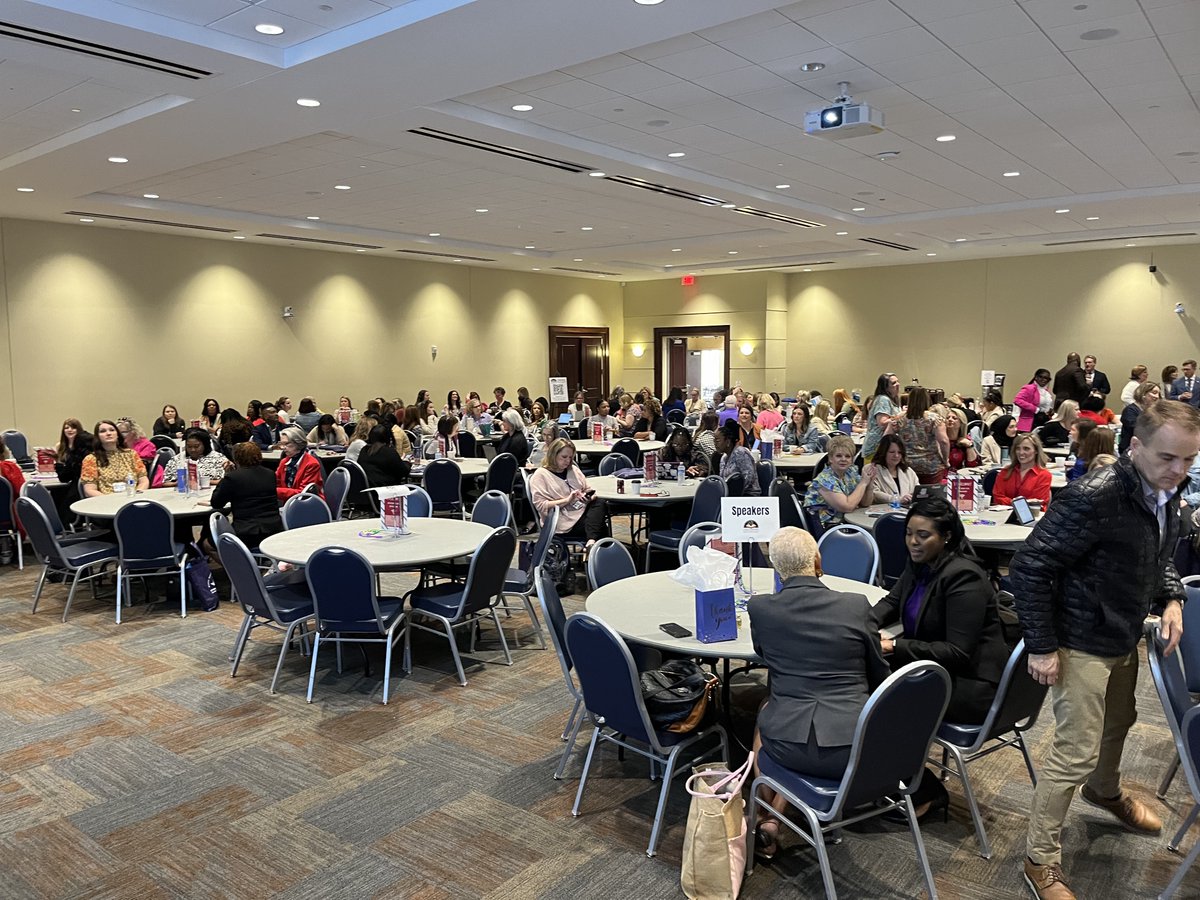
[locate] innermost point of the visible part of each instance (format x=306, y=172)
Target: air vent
x=824, y=262
x=881, y=243
x=113, y=54
x=92, y=215
x=679, y=193
x=584, y=271
x=511, y=152
x=311, y=240
x=777, y=217
x=446, y=255
x=1132, y=237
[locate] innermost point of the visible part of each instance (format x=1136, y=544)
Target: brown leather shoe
x=1047, y=882
x=1129, y=811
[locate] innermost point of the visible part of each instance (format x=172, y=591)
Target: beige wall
x=108, y=322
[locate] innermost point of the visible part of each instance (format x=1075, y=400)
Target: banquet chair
x=766, y=474
x=347, y=609
x=71, y=560
x=18, y=446
x=676, y=416
x=1189, y=656
x=609, y=682
x=519, y=581
x=629, y=448
x=455, y=606
x=612, y=463
x=556, y=620
x=887, y=760
x=821, y=464
x=848, y=551
x=1014, y=711
x=359, y=501
x=501, y=474
x=302, y=510
x=41, y=496
x=164, y=442
x=789, y=507
x=989, y=481
x=337, y=487
x=443, y=482
x=466, y=445
x=162, y=459
x=735, y=485
x=609, y=561
x=893, y=552
x=146, y=549
x=494, y=510
x=8, y=519
x=699, y=535
x=282, y=607
x=706, y=507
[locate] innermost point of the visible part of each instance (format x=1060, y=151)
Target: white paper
x=558, y=390
x=987, y=377
x=749, y=518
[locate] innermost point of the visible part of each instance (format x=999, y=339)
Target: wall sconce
x=747, y=348
x=639, y=351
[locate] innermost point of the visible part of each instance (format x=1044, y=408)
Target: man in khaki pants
x=1096, y=564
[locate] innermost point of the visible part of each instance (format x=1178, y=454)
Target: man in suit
x=1097, y=381
x=1186, y=388
x=1069, y=381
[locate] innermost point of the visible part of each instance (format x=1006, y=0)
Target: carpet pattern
x=133, y=765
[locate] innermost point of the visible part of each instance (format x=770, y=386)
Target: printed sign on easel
x=558, y=390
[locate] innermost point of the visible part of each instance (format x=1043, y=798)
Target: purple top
x=912, y=606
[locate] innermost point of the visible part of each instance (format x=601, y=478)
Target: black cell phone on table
x=674, y=630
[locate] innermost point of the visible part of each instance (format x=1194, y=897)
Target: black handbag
x=676, y=694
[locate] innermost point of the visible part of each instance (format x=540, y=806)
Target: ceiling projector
x=843, y=118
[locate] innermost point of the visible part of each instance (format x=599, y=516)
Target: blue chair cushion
x=816, y=793
x=516, y=581
x=86, y=552
x=292, y=602
x=438, y=599
x=668, y=537
x=390, y=608
x=162, y=562
x=958, y=735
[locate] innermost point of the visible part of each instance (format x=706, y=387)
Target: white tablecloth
x=431, y=540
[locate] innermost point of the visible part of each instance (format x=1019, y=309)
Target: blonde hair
x=822, y=411
x=1101, y=460
x=1039, y=455
x=793, y=552
x=839, y=442
x=555, y=448
x=766, y=401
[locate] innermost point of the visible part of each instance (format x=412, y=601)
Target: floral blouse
x=120, y=464
x=212, y=465
x=844, y=485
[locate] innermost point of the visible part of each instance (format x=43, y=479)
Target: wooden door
x=581, y=356
x=676, y=366
x=594, y=369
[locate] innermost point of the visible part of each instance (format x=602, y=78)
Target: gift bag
x=716, y=616
x=200, y=580
x=714, y=842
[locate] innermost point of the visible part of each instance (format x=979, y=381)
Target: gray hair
x=514, y=420
x=294, y=435
x=793, y=552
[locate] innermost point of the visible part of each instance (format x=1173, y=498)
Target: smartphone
x=675, y=631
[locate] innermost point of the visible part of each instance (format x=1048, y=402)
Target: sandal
x=766, y=841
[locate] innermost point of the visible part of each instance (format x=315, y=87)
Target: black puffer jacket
x=1094, y=566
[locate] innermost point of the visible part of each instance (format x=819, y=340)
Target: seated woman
x=839, y=488
x=358, y=440
x=653, y=424
x=1146, y=393
x=327, y=432
x=843, y=402
x=924, y=437
x=999, y=440
x=380, y=460
x=748, y=430
x=607, y=423
x=823, y=661
x=454, y=406
x=947, y=608
x=297, y=468
x=728, y=411
x=624, y=414
x=1026, y=475
x=1137, y=375
x=283, y=410
x=169, y=423
x=233, y=432
x=674, y=401
x=895, y=479
x=1092, y=407
x=135, y=439
x=427, y=418
x=991, y=407
x=210, y=416
x=513, y=440
x=110, y=462
x=695, y=405
x=11, y=471
x=248, y=492
x=1057, y=431
x=821, y=415
x=736, y=459
x=1098, y=441
x=679, y=449
x=537, y=418
x=704, y=437
x=447, y=436
x=962, y=449
x=558, y=483
x=800, y=432
x=74, y=443
x=197, y=448
x=769, y=418
x=307, y=415
x=580, y=410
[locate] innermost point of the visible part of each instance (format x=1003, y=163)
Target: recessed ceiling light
x=1011, y=174
x=341, y=187
x=313, y=218
x=678, y=154
x=481, y=210
x=76, y=110
x=521, y=107
x=308, y=102
x=530, y=247
x=946, y=138
x=239, y=237
x=959, y=240
x=676, y=249
x=841, y=233
x=536, y=269
x=118, y=159
x=458, y=260
x=150, y=196
x=598, y=174
x=859, y=209
x=733, y=253
x=647, y=2
x=578, y=259
x=1061, y=211
x=812, y=67
x=808, y=270
x=728, y=206
x=360, y=250
x=585, y=228
x=93, y=220
x=25, y=190
x=1093, y=218
x=782, y=187
x=1130, y=244
x=268, y=28
x=435, y=234
x=931, y=254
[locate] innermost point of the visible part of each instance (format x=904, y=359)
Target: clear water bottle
x=895, y=503
x=680, y=472
x=181, y=477
x=130, y=484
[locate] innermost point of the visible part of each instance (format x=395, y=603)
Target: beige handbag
x=714, y=844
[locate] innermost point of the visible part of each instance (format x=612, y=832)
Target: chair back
x=8, y=515
x=302, y=510
x=492, y=509
x=676, y=416
x=821, y=464
x=614, y=462
x=1018, y=698
x=218, y=525
x=1189, y=644
x=357, y=496
x=989, y=480
x=489, y=566
x=162, y=459
x=414, y=439
x=629, y=447
x=735, y=485
x=342, y=584
x=1169, y=680
x=501, y=473
x=244, y=574
x=706, y=505
x=556, y=619
x=789, y=511
x=466, y=445
x=40, y=532
x=893, y=735
x=337, y=486
x=164, y=442
x=893, y=553
x=39, y=494
x=812, y=520
x=144, y=535
x=766, y=474
x=418, y=504
x=609, y=561
x=697, y=536
x=542, y=546
x=607, y=677
x=443, y=483
x=17, y=443
x=848, y=551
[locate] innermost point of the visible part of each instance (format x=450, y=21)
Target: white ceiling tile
x=701, y=61
x=765, y=128
x=1056, y=86
x=1055, y=13
x=188, y=10
x=953, y=104
x=755, y=24
x=921, y=67
x=682, y=93
x=1175, y=18
x=712, y=111
x=859, y=21
x=996, y=22
x=603, y=64
x=1146, y=93
x=779, y=42
x=1025, y=70
x=707, y=140
x=241, y=24
x=935, y=10
x=1183, y=50
x=1108, y=55
x=834, y=60
x=746, y=80
x=536, y=82
x=328, y=16
x=26, y=85
x=574, y=93
x=930, y=88
x=1006, y=50
x=633, y=79
x=908, y=42
x=666, y=48
x=623, y=110
x=1129, y=28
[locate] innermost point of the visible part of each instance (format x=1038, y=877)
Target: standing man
x=1095, y=565
x=1097, y=381
x=1069, y=381
x=1186, y=388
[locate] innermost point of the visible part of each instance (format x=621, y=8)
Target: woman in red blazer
x=1026, y=476
x=298, y=468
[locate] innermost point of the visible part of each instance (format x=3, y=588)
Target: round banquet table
x=671, y=491
x=329, y=459
x=987, y=529
x=636, y=606
x=592, y=448
x=431, y=540
x=796, y=462
x=471, y=466
x=178, y=505
x=49, y=482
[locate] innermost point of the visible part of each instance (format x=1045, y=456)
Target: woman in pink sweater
x=559, y=483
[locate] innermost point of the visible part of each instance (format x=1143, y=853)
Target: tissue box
x=716, y=616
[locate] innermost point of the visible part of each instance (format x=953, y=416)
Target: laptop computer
x=1021, y=513
x=929, y=492
x=565, y=419
x=489, y=450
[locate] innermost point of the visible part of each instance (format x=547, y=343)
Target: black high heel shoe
x=766, y=844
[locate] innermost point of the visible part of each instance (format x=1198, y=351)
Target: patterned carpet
x=133, y=765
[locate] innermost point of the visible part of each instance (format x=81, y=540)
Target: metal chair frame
x=57, y=558
x=846, y=529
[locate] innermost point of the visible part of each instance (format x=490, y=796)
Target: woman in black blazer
x=248, y=490
x=380, y=460
x=514, y=440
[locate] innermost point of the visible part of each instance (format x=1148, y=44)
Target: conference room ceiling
x=1093, y=103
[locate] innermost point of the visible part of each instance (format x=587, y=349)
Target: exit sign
x=687, y=280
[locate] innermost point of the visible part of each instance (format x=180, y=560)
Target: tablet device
x=929, y=492
x=1021, y=513
x=565, y=419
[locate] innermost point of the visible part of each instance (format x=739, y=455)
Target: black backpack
x=557, y=564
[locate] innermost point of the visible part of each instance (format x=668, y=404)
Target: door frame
x=571, y=331
x=686, y=331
